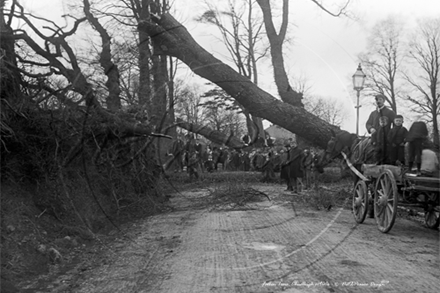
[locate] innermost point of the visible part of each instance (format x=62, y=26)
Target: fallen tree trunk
x=173, y=39
x=213, y=135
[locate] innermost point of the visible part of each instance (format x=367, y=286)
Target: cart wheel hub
x=383, y=200
x=358, y=202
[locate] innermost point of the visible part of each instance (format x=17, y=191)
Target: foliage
x=222, y=112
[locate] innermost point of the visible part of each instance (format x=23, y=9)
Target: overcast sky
x=324, y=48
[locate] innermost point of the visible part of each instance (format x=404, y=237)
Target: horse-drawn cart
x=382, y=188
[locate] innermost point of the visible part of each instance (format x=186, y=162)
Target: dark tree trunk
x=276, y=41
x=9, y=76
x=173, y=39
x=144, y=93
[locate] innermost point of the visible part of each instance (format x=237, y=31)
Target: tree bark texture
x=10, y=78
x=173, y=39
x=144, y=92
x=111, y=70
x=276, y=41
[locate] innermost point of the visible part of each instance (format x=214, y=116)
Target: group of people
x=197, y=157
x=390, y=142
x=297, y=167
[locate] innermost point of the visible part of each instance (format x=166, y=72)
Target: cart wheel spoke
x=390, y=208
x=385, y=201
x=380, y=210
x=385, y=186
x=360, y=201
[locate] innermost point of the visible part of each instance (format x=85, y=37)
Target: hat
x=380, y=96
x=398, y=116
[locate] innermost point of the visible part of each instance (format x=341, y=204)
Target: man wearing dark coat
x=396, y=141
x=417, y=135
x=372, y=124
x=307, y=162
x=292, y=169
x=191, y=157
x=380, y=142
x=176, y=153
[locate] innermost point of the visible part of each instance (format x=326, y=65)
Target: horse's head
x=337, y=143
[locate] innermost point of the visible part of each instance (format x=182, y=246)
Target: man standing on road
x=307, y=163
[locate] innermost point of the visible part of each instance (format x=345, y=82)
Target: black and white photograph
x=195, y=146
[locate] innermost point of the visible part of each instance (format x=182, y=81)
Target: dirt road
x=265, y=246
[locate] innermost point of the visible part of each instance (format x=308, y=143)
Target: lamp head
x=359, y=79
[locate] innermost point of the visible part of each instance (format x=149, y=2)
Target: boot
x=419, y=166
x=410, y=165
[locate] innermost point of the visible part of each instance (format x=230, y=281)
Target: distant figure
x=268, y=168
x=396, y=141
x=308, y=162
x=379, y=140
x=191, y=157
x=292, y=169
x=372, y=124
x=176, y=154
x=193, y=165
x=209, y=163
x=417, y=134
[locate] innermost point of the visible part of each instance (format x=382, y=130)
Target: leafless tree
x=330, y=110
x=242, y=32
x=188, y=98
x=176, y=41
x=383, y=60
x=277, y=40
x=424, y=52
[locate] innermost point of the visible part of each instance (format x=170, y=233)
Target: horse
x=358, y=150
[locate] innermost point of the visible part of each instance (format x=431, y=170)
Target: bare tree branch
x=110, y=69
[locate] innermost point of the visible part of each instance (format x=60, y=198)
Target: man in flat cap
x=372, y=124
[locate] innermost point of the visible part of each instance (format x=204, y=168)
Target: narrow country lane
x=271, y=246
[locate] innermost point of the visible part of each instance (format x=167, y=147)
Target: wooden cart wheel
x=432, y=219
x=360, y=201
x=385, y=201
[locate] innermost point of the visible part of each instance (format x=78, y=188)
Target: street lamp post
x=358, y=85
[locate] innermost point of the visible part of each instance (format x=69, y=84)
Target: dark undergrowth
x=66, y=181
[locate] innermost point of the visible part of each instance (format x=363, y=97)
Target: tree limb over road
x=174, y=40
